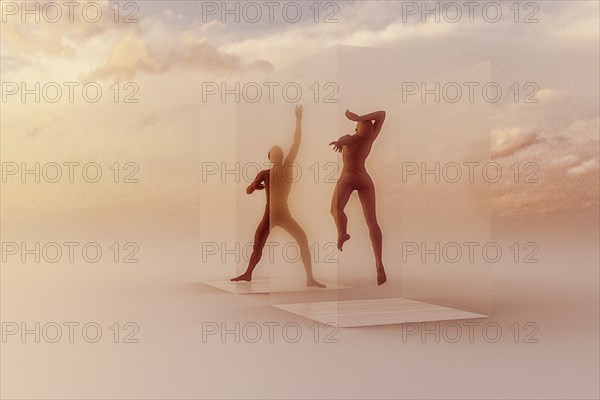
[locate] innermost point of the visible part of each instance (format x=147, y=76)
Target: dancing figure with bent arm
x=277, y=212
x=355, y=149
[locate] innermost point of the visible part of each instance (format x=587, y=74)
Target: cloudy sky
x=169, y=49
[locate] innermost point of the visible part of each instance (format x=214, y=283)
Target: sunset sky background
x=171, y=134
x=171, y=51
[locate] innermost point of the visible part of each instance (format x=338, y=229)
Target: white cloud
x=569, y=159
x=585, y=167
x=507, y=142
x=549, y=94
x=581, y=28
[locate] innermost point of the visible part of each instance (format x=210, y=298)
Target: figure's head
x=276, y=155
x=364, y=128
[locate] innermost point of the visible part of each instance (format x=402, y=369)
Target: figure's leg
x=367, y=199
x=296, y=231
x=341, y=195
x=260, y=238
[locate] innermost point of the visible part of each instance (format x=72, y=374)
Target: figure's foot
x=244, y=277
x=381, y=277
x=314, y=283
x=341, y=240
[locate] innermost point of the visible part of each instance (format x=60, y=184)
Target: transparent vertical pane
x=416, y=213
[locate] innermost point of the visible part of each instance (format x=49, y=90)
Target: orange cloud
x=132, y=55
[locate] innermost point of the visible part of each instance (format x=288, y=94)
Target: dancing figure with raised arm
x=277, y=185
x=355, y=150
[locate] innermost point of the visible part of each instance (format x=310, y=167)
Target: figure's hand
x=351, y=116
x=250, y=189
x=337, y=146
x=299, y=110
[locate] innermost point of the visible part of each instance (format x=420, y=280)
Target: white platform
x=270, y=286
x=352, y=313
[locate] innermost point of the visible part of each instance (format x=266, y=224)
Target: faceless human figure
x=355, y=149
x=277, y=182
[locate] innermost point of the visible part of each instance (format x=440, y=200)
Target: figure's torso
x=278, y=183
x=355, y=153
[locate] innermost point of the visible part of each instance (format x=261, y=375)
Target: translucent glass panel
x=427, y=163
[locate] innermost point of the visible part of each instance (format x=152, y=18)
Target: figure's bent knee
x=337, y=211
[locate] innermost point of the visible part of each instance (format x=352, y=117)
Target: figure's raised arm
x=297, y=136
x=378, y=117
